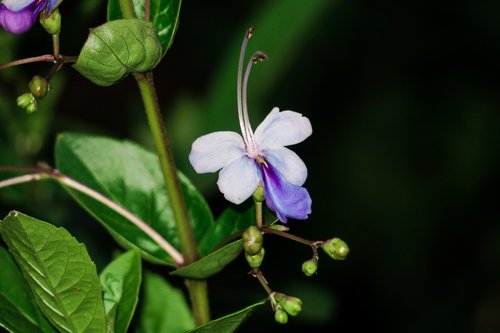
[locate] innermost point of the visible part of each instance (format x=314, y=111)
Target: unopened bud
x=32, y=107
x=310, y=266
x=252, y=240
x=280, y=316
x=52, y=22
x=292, y=305
x=24, y=100
x=39, y=86
x=256, y=260
x=336, y=248
x=279, y=227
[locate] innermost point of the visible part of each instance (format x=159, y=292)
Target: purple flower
x=258, y=158
x=18, y=16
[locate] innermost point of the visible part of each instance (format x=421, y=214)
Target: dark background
x=403, y=161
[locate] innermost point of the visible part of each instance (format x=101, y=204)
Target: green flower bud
x=25, y=100
x=258, y=195
x=52, y=23
x=336, y=248
x=280, y=316
x=290, y=304
x=256, y=260
x=279, y=227
x=39, y=86
x=32, y=107
x=310, y=266
x=252, y=240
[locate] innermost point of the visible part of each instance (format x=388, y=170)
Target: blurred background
x=403, y=162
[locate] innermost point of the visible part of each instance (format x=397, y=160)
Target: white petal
x=213, y=151
x=282, y=129
x=288, y=164
x=16, y=5
x=238, y=180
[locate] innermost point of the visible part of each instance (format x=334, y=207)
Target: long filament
x=256, y=57
x=243, y=128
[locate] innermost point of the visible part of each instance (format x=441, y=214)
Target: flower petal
x=282, y=129
x=17, y=22
x=238, y=180
x=214, y=151
x=289, y=164
x=285, y=199
x=17, y=5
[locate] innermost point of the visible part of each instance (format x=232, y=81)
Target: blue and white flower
x=18, y=16
x=259, y=157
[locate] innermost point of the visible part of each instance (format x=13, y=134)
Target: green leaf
x=59, y=271
x=232, y=220
x=164, y=308
x=118, y=48
x=121, y=281
x=164, y=15
x=212, y=263
x=18, y=310
x=229, y=323
x=131, y=176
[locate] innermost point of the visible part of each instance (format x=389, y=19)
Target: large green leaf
x=212, y=263
x=18, y=310
x=59, y=271
x=232, y=220
x=131, y=176
x=164, y=15
x=121, y=281
x=229, y=323
x=118, y=48
x=163, y=308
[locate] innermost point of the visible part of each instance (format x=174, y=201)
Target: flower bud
x=280, y=316
x=258, y=195
x=256, y=260
x=279, y=227
x=310, y=266
x=52, y=22
x=336, y=248
x=290, y=304
x=252, y=240
x=39, y=86
x=25, y=100
x=32, y=107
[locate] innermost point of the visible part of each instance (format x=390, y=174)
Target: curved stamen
x=256, y=57
x=248, y=35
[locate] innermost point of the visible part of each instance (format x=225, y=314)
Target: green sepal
x=118, y=48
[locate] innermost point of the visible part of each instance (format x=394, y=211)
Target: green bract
x=118, y=48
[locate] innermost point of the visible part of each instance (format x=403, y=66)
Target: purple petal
x=285, y=199
x=17, y=22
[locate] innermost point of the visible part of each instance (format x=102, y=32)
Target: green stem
x=258, y=274
x=197, y=288
x=55, y=46
x=298, y=239
x=127, y=8
x=258, y=214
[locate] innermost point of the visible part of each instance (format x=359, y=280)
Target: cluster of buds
x=285, y=305
x=39, y=86
x=252, y=244
x=336, y=248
